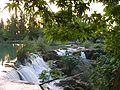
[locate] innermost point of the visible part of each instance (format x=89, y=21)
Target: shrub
x=103, y=72
x=44, y=75
x=70, y=61
x=54, y=73
x=98, y=46
x=87, y=44
x=29, y=46
x=41, y=45
x=23, y=50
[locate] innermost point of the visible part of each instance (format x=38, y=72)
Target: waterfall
x=82, y=55
x=27, y=74
x=84, y=59
x=60, y=52
x=38, y=64
x=30, y=72
x=12, y=75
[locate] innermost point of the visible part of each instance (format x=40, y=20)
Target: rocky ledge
x=17, y=85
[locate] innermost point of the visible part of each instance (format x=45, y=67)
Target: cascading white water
x=12, y=75
x=27, y=74
x=70, y=51
x=84, y=59
x=8, y=73
x=38, y=64
x=30, y=72
x=82, y=55
x=60, y=52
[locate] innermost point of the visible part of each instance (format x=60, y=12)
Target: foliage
x=12, y=28
x=13, y=6
x=71, y=23
x=27, y=46
x=54, y=73
x=1, y=34
x=70, y=62
x=44, y=75
x=22, y=29
x=104, y=72
x=87, y=44
x=68, y=20
x=19, y=28
x=41, y=45
x=113, y=43
x=92, y=45
x=15, y=28
x=98, y=46
x=68, y=31
x=25, y=49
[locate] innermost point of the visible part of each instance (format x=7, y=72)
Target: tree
x=109, y=66
x=12, y=28
x=1, y=30
x=70, y=12
x=22, y=28
x=71, y=22
x=13, y=6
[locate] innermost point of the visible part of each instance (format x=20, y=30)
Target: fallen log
x=63, y=78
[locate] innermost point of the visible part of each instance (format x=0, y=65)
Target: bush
x=104, y=72
x=70, y=62
x=98, y=46
x=87, y=44
x=46, y=75
x=23, y=50
x=41, y=45
x=29, y=46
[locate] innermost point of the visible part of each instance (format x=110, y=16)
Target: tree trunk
x=116, y=82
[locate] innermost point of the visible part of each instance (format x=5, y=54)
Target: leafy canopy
x=66, y=24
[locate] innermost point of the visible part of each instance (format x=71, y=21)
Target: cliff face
x=17, y=85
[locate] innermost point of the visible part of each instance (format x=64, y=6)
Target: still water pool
x=7, y=50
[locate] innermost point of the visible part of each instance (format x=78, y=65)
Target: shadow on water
x=7, y=52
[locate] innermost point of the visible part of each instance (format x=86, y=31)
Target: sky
x=4, y=14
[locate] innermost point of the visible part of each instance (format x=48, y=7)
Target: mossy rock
x=51, y=55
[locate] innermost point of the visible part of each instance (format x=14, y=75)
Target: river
x=7, y=51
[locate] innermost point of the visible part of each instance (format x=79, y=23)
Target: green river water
x=8, y=50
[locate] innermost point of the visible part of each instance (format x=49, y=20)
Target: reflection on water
x=7, y=52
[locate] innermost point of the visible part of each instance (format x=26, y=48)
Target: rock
x=17, y=85
x=93, y=53
x=59, y=64
x=79, y=88
x=78, y=69
x=77, y=53
x=51, y=55
x=62, y=83
x=75, y=83
x=68, y=88
x=84, y=85
x=89, y=53
x=95, y=56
